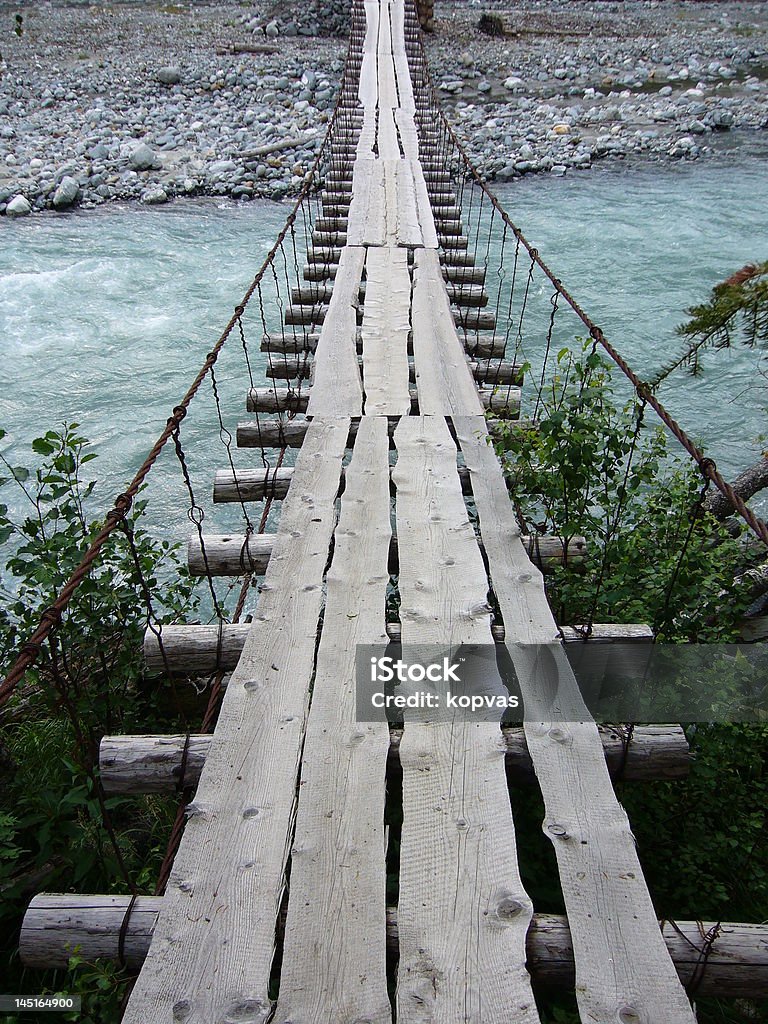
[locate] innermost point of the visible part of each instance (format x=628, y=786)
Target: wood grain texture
x=367, y=223
x=623, y=969
x=368, y=92
x=408, y=227
x=337, y=898
x=337, y=388
x=443, y=378
x=463, y=912
x=386, y=324
x=212, y=950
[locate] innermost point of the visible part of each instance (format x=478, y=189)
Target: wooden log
x=57, y=924
x=198, y=650
x=464, y=275
x=504, y=401
x=224, y=554
x=296, y=344
x=281, y=432
x=451, y=242
x=252, y=484
x=467, y=294
x=143, y=764
x=232, y=554
x=474, y=319
x=283, y=368
x=276, y=433
x=457, y=259
x=277, y=400
x=152, y=764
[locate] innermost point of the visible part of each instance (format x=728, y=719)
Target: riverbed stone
x=66, y=193
x=19, y=206
x=143, y=158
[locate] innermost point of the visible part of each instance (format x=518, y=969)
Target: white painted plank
x=212, y=949
x=443, y=378
x=386, y=323
x=462, y=912
x=337, y=389
x=623, y=969
x=334, y=959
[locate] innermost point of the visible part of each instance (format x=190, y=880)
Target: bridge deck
x=290, y=807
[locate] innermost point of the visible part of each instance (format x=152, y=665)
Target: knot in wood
x=629, y=1015
x=508, y=908
x=558, y=831
x=245, y=1011
x=181, y=1011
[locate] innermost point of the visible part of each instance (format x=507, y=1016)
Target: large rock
x=169, y=76
x=66, y=194
x=154, y=195
x=18, y=207
x=143, y=158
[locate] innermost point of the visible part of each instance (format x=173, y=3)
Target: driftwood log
x=746, y=484
x=734, y=965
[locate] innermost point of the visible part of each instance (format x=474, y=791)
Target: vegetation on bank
x=594, y=467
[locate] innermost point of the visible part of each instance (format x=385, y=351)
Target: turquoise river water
x=106, y=315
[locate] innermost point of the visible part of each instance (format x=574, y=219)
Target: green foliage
x=57, y=828
x=737, y=310
x=589, y=469
x=593, y=468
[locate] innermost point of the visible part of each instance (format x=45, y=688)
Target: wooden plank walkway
x=290, y=805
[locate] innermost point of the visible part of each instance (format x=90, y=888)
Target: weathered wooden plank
x=212, y=949
x=337, y=388
x=367, y=211
x=463, y=911
x=443, y=378
x=408, y=229
x=386, y=325
x=368, y=88
x=409, y=136
x=387, y=141
x=338, y=872
x=623, y=969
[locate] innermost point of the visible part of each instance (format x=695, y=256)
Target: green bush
x=57, y=829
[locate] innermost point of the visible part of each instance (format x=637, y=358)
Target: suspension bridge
x=392, y=313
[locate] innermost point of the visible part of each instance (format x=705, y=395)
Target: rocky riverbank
x=148, y=101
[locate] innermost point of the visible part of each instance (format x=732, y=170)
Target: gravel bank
x=148, y=101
